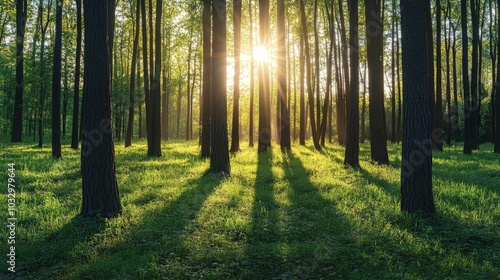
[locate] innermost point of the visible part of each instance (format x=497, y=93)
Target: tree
x=76, y=91
x=154, y=148
x=100, y=188
x=130, y=125
x=465, y=79
x=207, y=57
x=475, y=77
x=56, y=85
x=219, y=158
x=375, y=36
x=17, y=122
x=264, y=85
x=352, y=144
x=235, y=135
x=497, y=97
x=438, y=124
x=284, y=127
x=416, y=172
x=252, y=77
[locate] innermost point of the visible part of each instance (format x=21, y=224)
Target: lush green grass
x=295, y=215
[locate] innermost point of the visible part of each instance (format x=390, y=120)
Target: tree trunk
x=130, y=125
x=284, y=126
x=455, y=126
x=465, y=79
x=430, y=65
x=352, y=143
x=155, y=147
x=302, y=129
x=56, y=85
x=374, y=33
x=252, y=78
x=207, y=57
x=100, y=188
x=497, y=96
x=393, y=74
x=264, y=85
x=235, y=134
x=17, y=122
x=474, y=98
x=438, y=124
x=447, y=39
x=219, y=158
x=416, y=172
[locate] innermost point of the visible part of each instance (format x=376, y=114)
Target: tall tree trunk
x=207, y=57
x=329, y=62
x=309, y=77
x=100, y=188
x=455, y=131
x=76, y=89
x=393, y=74
x=284, y=126
x=465, y=79
x=497, y=95
x=363, y=107
x=219, y=158
x=416, y=172
x=56, y=84
x=430, y=54
x=235, y=134
x=447, y=43
x=130, y=125
x=475, y=87
x=378, y=138
x=398, y=77
x=493, y=53
x=155, y=149
x=111, y=36
x=302, y=129
x=44, y=27
x=17, y=122
x=264, y=85
x=352, y=144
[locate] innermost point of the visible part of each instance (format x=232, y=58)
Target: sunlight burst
x=261, y=54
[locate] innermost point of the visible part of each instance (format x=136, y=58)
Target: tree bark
x=155, y=149
x=17, y=122
x=352, y=143
x=264, y=82
x=497, y=96
x=235, y=133
x=56, y=84
x=284, y=127
x=465, y=79
x=207, y=57
x=416, y=172
x=374, y=33
x=219, y=158
x=100, y=188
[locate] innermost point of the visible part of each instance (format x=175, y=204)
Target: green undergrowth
x=293, y=215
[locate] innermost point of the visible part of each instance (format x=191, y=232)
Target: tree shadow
x=382, y=183
x=317, y=234
x=262, y=252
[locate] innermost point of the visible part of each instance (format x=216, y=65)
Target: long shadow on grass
x=317, y=234
x=159, y=238
x=262, y=253
x=389, y=187
x=73, y=241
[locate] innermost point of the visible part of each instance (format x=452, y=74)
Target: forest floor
x=295, y=215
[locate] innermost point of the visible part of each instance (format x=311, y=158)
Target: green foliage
x=297, y=215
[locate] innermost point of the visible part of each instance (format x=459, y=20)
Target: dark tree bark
x=363, y=108
x=393, y=74
x=207, y=57
x=447, y=43
x=284, y=127
x=131, y=109
x=111, y=36
x=235, y=134
x=56, y=84
x=493, y=53
x=100, y=189
x=310, y=90
x=374, y=34
x=398, y=77
x=329, y=65
x=252, y=78
x=416, y=172
x=430, y=54
x=455, y=127
x=465, y=79
x=43, y=89
x=17, y=122
x=352, y=144
x=264, y=85
x=155, y=147
x=145, y=67
x=219, y=158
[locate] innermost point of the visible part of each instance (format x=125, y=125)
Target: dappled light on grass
x=296, y=214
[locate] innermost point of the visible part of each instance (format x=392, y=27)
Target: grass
x=295, y=215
